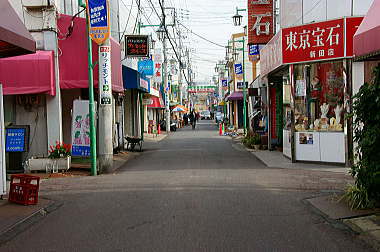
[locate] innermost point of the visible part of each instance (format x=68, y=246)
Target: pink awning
x=28, y=74
x=367, y=37
x=73, y=60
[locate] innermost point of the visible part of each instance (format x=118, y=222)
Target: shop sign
x=154, y=92
x=137, y=46
x=80, y=133
x=240, y=84
x=17, y=139
x=105, y=75
x=319, y=41
x=144, y=84
x=238, y=69
x=271, y=55
x=98, y=19
x=224, y=83
x=157, y=67
x=254, y=50
x=147, y=101
x=146, y=67
x=260, y=21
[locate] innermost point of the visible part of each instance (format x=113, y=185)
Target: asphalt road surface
x=193, y=191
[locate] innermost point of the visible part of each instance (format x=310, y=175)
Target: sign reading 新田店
x=98, y=19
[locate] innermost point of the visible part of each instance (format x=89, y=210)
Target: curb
x=28, y=221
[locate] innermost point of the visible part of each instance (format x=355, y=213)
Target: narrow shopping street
x=193, y=191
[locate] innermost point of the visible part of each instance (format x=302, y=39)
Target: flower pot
x=48, y=164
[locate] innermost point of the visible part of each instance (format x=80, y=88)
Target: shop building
x=310, y=88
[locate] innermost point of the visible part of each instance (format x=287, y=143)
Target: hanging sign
x=137, y=46
x=105, y=86
x=146, y=67
x=260, y=21
x=98, y=19
x=224, y=83
x=254, y=50
x=238, y=68
x=80, y=129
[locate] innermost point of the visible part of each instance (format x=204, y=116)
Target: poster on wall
x=300, y=88
x=80, y=129
x=105, y=81
x=306, y=138
x=17, y=138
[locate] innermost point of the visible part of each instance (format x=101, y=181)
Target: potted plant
x=60, y=156
x=256, y=141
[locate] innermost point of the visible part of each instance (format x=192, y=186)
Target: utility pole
x=165, y=73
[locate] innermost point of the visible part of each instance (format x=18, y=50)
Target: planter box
x=42, y=164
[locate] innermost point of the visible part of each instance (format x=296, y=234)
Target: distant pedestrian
x=186, y=119
x=197, y=116
x=193, y=119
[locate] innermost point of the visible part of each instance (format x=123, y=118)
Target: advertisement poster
x=16, y=139
x=306, y=138
x=80, y=129
x=105, y=87
x=300, y=88
x=99, y=23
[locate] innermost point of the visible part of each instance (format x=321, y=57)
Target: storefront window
x=319, y=96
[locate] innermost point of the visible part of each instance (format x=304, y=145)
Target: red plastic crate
x=24, y=189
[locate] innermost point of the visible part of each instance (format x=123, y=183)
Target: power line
x=214, y=43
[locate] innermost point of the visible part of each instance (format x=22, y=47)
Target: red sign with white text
x=319, y=41
x=260, y=21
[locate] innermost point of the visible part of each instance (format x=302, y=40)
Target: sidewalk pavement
x=365, y=223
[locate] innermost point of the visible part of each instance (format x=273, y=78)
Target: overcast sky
x=211, y=19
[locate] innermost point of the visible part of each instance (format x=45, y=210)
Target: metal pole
x=91, y=103
x=244, y=91
x=164, y=72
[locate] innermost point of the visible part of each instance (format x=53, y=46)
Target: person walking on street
x=193, y=119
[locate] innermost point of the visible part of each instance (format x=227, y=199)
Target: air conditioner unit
x=38, y=3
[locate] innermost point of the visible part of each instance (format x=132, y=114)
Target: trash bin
x=24, y=189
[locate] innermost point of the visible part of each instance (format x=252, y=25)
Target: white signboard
x=80, y=129
x=3, y=182
x=105, y=86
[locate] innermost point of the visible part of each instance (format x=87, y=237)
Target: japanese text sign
x=105, y=85
x=224, y=83
x=137, y=46
x=146, y=67
x=238, y=69
x=98, y=19
x=260, y=21
x=16, y=139
x=254, y=50
x=319, y=41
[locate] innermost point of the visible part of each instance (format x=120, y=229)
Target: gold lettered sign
x=98, y=20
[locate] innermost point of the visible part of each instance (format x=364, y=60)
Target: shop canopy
x=367, y=37
x=28, y=74
x=73, y=62
x=14, y=37
x=132, y=80
x=157, y=103
x=235, y=96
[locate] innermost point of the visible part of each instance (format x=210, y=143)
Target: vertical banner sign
x=260, y=21
x=98, y=19
x=3, y=182
x=105, y=85
x=157, y=67
x=80, y=129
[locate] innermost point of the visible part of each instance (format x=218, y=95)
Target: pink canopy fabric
x=28, y=74
x=367, y=37
x=73, y=60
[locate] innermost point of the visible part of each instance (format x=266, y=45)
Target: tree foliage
x=366, y=122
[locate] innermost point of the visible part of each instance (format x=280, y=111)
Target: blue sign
x=15, y=139
x=238, y=69
x=81, y=151
x=224, y=83
x=98, y=13
x=254, y=50
x=146, y=67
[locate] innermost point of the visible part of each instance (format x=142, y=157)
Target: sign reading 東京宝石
x=98, y=19
x=16, y=139
x=105, y=86
x=137, y=46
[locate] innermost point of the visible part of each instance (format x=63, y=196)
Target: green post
x=244, y=91
x=91, y=98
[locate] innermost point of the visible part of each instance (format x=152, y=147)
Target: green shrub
x=366, y=122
